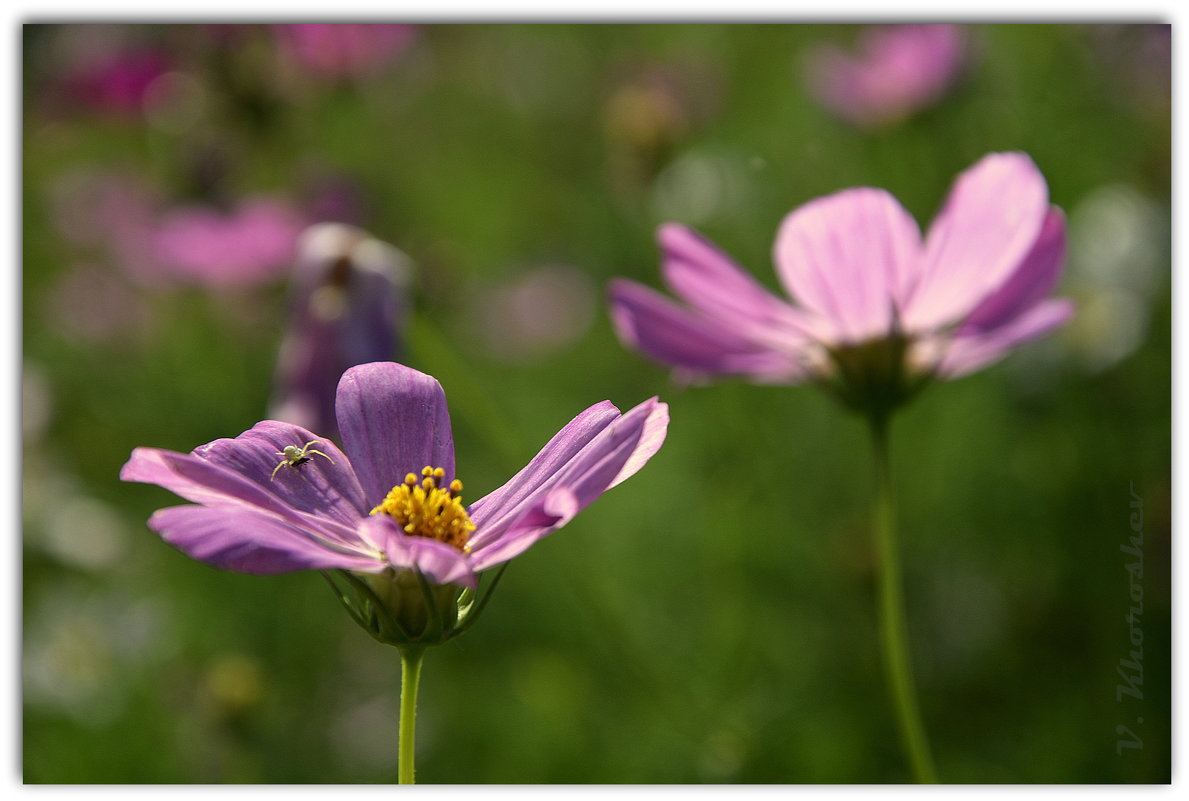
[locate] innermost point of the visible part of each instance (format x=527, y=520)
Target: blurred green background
x=711, y=620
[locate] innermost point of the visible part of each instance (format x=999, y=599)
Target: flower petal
x=653, y=431
x=248, y=540
x=584, y=469
x=195, y=479
x=531, y=481
x=205, y=482
x=1033, y=279
x=707, y=279
x=987, y=227
x=648, y=321
x=394, y=421
x=969, y=353
x=325, y=485
x=438, y=562
x=850, y=257
x=546, y=514
x=895, y=71
x=618, y=452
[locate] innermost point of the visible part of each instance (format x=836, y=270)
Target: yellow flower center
x=425, y=509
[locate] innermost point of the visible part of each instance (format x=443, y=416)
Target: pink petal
x=986, y=229
x=325, y=485
x=492, y=510
x=650, y=322
x=895, y=71
x=969, y=353
x=248, y=540
x=707, y=279
x=438, y=562
x=544, y=515
x=208, y=482
x=588, y=457
x=617, y=452
x=1033, y=279
x=393, y=421
x=652, y=436
x=850, y=257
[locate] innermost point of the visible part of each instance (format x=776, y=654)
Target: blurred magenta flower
x=896, y=71
x=251, y=243
x=388, y=503
x=878, y=311
x=116, y=81
x=343, y=51
x=347, y=306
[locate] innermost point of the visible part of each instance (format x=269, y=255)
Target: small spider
x=295, y=456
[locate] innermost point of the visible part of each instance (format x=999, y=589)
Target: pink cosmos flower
x=117, y=82
x=896, y=71
x=878, y=310
x=343, y=51
x=387, y=505
x=252, y=242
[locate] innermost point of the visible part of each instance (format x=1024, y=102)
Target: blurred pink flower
x=880, y=311
x=116, y=82
x=896, y=71
x=253, y=242
x=343, y=51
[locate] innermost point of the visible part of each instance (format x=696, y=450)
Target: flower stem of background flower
x=410, y=677
x=893, y=629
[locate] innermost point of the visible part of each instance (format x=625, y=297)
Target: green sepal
x=403, y=608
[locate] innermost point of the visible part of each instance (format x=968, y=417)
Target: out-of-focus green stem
x=893, y=628
x=410, y=677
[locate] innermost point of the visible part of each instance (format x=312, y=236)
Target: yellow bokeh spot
x=426, y=509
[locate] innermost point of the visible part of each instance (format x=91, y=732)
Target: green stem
x=893, y=629
x=410, y=677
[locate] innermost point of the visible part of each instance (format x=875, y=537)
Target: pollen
x=425, y=508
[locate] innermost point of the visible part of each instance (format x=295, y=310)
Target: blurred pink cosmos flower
x=252, y=242
x=347, y=301
x=117, y=82
x=343, y=51
x=878, y=311
x=386, y=506
x=896, y=71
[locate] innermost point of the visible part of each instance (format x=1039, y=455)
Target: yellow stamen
x=429, y=510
